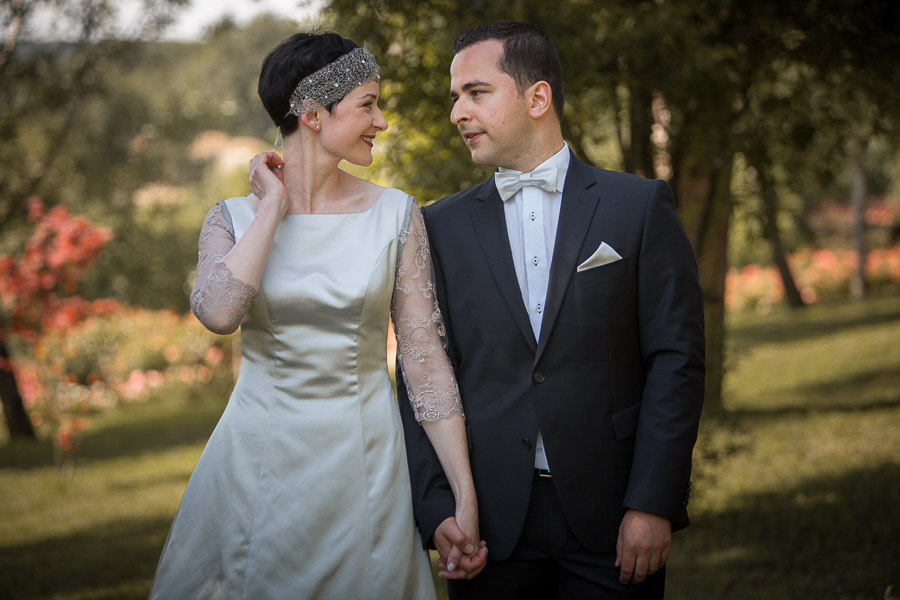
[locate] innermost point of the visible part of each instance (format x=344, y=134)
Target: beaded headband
x=333, y=81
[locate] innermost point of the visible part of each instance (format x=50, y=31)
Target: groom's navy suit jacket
x=614, y=382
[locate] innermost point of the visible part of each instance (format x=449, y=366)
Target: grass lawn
x=796, y=484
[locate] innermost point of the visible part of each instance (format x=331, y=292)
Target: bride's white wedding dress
x=302, y=490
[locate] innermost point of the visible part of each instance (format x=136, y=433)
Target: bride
x=303, y=488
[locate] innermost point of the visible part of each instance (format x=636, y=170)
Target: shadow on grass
x=129, y=431
x=832, y=537
x=154, y=432
x=115, y=561
x=875, y=389
x=817, y=321
x=805, y=409
x=880, y=382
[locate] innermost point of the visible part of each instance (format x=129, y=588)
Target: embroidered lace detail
x=219, y=299
x=421, y=337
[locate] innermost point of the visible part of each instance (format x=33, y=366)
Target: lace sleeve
x=219, y=300
x=430, y=383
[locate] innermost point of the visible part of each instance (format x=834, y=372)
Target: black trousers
x=549, y=563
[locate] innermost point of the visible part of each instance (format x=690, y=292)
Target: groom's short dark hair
x=528, y=55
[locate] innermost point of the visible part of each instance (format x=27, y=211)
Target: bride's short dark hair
x=528, y=55
x=293, y=59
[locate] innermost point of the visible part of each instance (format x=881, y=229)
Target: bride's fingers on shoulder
x=273, y=159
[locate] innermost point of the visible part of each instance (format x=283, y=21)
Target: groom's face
x=488, y=110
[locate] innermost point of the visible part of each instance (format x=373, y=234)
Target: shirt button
x=526, y=443
x=536, y=261
x=539, y=308
x=538, y=377
x=531, y=216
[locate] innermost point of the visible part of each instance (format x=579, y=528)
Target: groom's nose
x=458, y=114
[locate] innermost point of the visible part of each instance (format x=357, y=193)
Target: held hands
x=643, y=545
x=459, y=558
x=462, y=554
x=267, y=181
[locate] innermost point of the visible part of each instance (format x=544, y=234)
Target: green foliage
x=171, y=93
x=92, y=123
x=650, y=83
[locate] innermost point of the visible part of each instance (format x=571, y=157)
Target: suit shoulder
x=621, y=179
x=454, y=202
x=632, y=189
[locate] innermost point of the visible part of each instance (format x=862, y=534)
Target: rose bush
x=818, y=273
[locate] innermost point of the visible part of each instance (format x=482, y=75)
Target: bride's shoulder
x=385, y=196
x=390, y=195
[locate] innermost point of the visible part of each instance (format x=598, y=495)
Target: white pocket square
x=601, y=256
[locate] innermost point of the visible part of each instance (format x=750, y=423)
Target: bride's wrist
x=274, y=202
x=465, y=497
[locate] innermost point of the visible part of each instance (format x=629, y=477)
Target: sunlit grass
x=99, y=534
x=796, y=484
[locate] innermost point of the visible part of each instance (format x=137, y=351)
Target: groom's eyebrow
x=468, y=86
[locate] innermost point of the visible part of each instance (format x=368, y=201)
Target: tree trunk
x=705, y=205
x=17, y=421
x=857, y=203
x=638, y=155
x=779, y=256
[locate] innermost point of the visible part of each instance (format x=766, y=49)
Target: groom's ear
x=540, y=99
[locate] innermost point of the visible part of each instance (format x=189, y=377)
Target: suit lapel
x=579, y=202
x=490, y=228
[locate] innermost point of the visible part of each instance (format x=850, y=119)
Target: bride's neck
x=313, y=181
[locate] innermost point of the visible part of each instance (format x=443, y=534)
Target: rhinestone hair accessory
x=333, y=81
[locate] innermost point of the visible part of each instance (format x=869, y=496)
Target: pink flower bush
x=817, y=273
x=117, y=354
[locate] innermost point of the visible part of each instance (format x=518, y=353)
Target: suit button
x=538, y=377
x=526, y=443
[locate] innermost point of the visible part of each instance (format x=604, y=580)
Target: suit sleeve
x=670, y=321
x=432, y=496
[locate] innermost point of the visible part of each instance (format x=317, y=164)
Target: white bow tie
x=509, y=182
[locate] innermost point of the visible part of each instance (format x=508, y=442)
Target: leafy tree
x=679, y=90
x=104, y=123
x=46, y=91
x=164, y=98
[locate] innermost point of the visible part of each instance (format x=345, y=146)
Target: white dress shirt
x=532, y=216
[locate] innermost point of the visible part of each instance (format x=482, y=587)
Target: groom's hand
x=459, y=558
x=643, y=545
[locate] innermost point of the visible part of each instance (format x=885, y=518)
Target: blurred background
x=775, y=122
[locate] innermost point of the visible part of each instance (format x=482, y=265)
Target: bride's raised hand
x=267, y=181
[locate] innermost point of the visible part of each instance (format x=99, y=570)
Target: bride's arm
x=426, y=370
x=228, y=273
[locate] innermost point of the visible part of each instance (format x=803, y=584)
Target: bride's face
x=349, y=133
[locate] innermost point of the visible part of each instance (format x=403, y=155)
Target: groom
x=575, y=326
